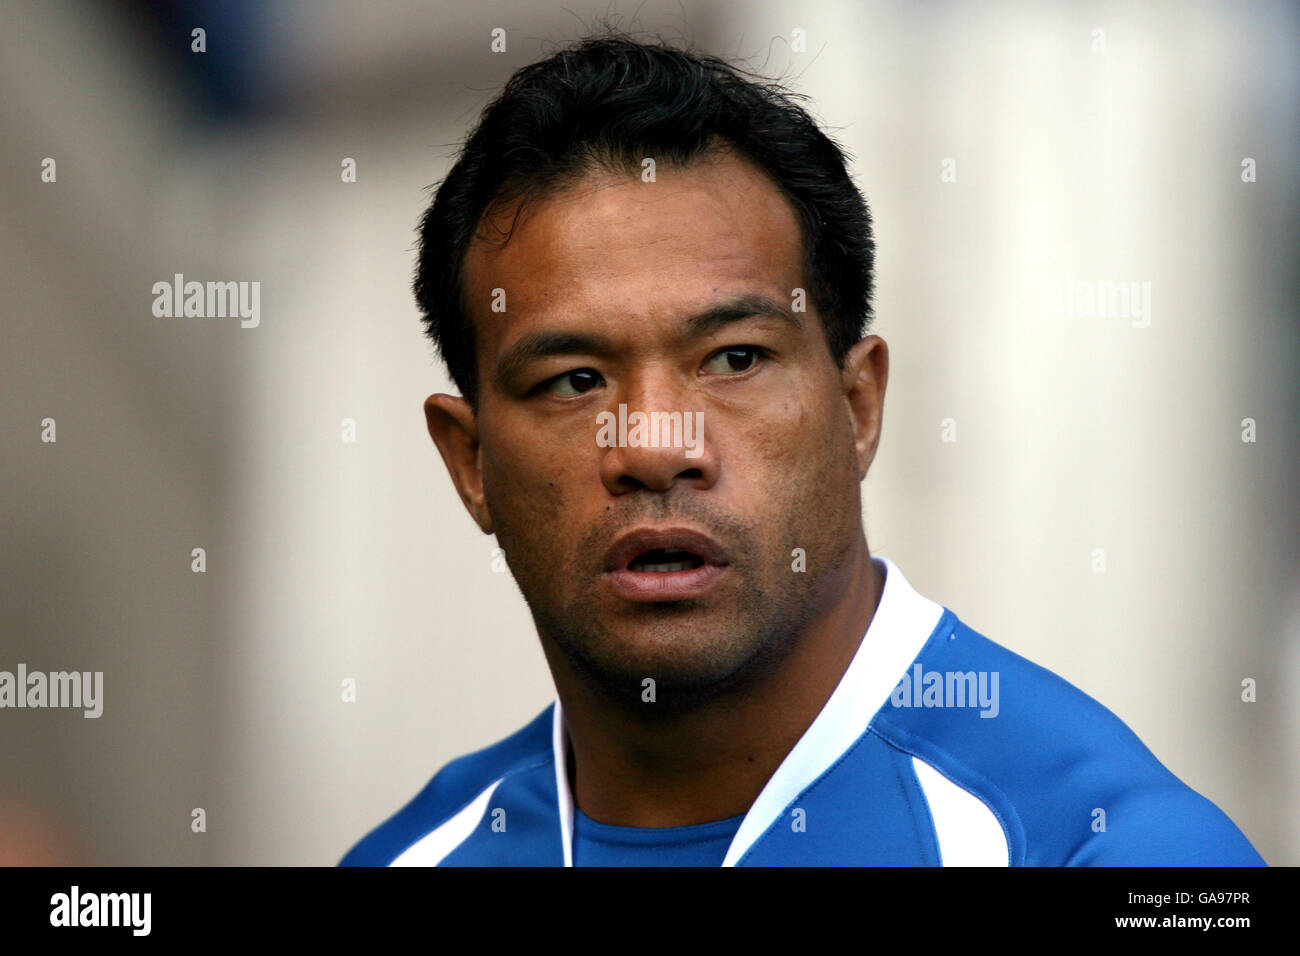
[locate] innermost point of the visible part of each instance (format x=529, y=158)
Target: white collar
x=903, y=621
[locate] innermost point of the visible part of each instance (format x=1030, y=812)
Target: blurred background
x=1098, y=511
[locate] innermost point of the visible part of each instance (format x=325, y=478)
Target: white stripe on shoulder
x=968, y=832
x=564, y=798
x=903, y=622
x=432, y=848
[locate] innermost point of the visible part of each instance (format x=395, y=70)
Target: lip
x=664, y=585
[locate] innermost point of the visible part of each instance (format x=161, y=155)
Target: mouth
x=664, y=564
x=665, y=560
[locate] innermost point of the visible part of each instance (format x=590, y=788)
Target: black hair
x=607, y=102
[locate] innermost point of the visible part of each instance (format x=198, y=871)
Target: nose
x=653, y=444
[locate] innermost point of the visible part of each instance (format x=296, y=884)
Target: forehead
x=632, y=253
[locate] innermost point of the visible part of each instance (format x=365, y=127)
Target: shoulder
x=454, y=789
x=1068, y=781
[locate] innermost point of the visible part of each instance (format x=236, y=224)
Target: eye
x=573, y=383
x=734, y=360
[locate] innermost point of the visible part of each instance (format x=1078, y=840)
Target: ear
x=864, y=375
x=453, y=427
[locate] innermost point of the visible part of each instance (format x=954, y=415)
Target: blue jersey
x=600, y=844
x=937, y=748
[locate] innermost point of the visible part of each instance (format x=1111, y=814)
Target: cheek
x=527, y=483
x=794, y=460
x=519, y=477
x=795, y=436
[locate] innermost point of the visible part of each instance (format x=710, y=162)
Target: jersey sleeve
x=1171, y=826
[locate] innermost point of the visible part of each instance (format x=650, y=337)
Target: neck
x=711, y=762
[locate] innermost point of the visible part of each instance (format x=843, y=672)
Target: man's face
x=675, y=562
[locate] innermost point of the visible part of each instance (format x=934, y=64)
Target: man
x=650, y=278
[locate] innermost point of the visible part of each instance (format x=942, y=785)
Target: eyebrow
x=539, y=345
x=744, y=307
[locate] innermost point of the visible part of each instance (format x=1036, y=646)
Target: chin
x=686, y=659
